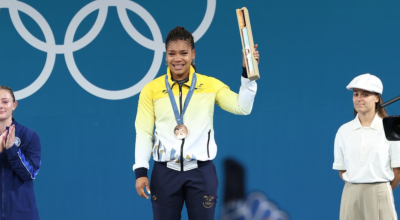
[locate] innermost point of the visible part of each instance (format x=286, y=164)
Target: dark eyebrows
x=364, y=92
x=179, y=51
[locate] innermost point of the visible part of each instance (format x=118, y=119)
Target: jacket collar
x=375, y=124
x=188, y=83
x=14, y=122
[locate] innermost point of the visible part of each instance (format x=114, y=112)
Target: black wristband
x=244, y=72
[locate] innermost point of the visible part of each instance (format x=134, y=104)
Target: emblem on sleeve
x=17, y=141
x=208, y=201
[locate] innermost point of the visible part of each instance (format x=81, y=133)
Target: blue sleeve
x=27, y=163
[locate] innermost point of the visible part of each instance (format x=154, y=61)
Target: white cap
x=366, y=82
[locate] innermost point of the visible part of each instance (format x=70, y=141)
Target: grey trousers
x=367, y=201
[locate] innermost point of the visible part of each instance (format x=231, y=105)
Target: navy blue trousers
x=197, y=188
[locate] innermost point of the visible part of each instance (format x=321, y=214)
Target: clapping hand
x=3, y=141
x=11, y=137
x=7, y=144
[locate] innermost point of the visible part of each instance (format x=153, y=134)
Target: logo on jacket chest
x=17, y=141
x=199, y=88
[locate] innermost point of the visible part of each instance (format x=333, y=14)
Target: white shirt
x=365, y=153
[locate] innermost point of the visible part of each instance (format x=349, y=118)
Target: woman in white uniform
x=366, y=160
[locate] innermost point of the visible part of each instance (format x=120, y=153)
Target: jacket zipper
x=158, y=150
x=208, y=144
x=3, y=215
x=180, y=98
x=183, y=140
x=2, y=192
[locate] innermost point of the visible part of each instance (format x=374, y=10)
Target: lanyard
x=179, y=117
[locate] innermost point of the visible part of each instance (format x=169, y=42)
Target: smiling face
x=364, y=101
x=7, y=105
x=179, y=58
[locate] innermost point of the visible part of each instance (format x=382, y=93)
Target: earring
x=166, y=63
x=193, y=63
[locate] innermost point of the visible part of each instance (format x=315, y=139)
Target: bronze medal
x=181, y=131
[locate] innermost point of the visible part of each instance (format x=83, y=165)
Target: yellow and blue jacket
x=155, y=109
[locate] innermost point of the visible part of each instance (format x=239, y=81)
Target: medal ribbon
x=179, y=117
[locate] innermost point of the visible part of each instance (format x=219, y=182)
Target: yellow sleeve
x=239, y=104
x=144, y=126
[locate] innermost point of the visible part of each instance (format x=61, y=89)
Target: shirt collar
x=188, y=83
x=375, y=124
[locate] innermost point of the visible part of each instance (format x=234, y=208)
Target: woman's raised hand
x=11, y=137
x=3, y=141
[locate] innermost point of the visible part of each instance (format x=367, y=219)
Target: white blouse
x=365, y=153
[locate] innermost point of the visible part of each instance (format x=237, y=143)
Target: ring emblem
x=70, y=46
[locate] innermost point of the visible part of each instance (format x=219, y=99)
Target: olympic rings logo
x=70, y=46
